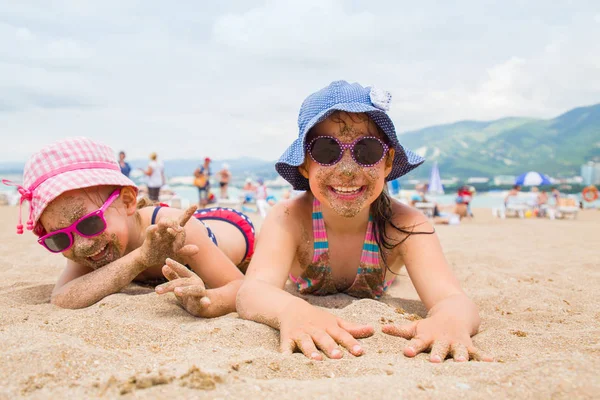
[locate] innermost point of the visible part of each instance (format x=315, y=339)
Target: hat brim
x=53, y=187
x=404, y=159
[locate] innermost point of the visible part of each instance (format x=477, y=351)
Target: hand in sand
x=190, y=291
x=443, y=333
x=167, y=239
x=308, y=329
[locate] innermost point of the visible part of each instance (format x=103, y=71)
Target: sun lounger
x=426, y=208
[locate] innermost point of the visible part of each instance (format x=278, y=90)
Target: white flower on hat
x=380, y=98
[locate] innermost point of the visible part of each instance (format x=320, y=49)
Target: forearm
x=91, y=288
x=223, y=299
x=459, y=307
x=261, y=302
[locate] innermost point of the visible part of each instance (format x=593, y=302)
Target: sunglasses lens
x=325, y=150
x=58, y=242
x=91, y=226
x=368, y=151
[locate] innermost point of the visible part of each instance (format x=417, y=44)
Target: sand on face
x=536, y=283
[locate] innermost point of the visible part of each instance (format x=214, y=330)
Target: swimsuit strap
x=321, y=245
x=369, y=257
x=154, y=214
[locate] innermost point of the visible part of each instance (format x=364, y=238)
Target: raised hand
x=309, y=329
x=190, y=291
x=167, y=239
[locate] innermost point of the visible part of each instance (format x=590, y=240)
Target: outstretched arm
x=262, y=298
x=80, y=287
x=452, y=318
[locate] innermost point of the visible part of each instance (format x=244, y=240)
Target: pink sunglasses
x=87, y=226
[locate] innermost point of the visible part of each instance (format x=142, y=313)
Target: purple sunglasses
x=366, y=151
x=87, y=226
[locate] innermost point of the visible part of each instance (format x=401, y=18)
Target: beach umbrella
x=435, y=182
x=532, y=178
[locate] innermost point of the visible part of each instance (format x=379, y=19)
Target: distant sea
x=189, y=194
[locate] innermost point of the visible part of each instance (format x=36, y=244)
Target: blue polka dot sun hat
x=343, y=96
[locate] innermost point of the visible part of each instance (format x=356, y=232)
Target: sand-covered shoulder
x=537, y=283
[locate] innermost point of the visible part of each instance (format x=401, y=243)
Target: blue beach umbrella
x=532, y=178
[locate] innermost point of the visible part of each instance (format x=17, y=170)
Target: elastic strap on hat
x=25, y=195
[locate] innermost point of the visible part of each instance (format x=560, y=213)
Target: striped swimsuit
x=316, y=278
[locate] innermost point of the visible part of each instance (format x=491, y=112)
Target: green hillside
x=510, y=146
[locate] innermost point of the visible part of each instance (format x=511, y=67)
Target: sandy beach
x=536, y=281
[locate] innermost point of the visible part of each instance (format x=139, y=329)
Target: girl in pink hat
x=82, y=206
x=345, y=234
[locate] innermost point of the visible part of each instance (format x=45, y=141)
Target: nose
x=82, y=245
x=347, y=166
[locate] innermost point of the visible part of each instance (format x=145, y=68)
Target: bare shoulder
x=409, y=220
x=291, y=214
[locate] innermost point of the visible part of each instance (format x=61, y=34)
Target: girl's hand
x=308, y=328
x=189, y=290
x=167, y=239
x=444, y=332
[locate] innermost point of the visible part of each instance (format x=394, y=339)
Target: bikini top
x=317, y=279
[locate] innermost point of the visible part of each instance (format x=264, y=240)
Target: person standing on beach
x=345, y=234
x=225, y=177
x=83, y=207
x=155, y=174
x=202, y=182
x=124, y=165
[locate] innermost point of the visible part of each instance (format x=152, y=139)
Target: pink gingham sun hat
x=68, y=164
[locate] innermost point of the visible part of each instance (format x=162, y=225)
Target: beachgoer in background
x=419, y=196
x=124, y=165
x=225, y=177
x=512, y=194
x=202, y=182
x=556, y=195
x=92, y=216
x=261, y=198
x=346, y=150
x=155, y=176
x=463, y=200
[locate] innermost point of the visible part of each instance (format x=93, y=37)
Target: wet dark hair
x=381, y=209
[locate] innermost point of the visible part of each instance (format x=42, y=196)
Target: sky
x=190, y=79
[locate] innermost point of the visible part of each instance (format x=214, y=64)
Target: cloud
x=226, y=79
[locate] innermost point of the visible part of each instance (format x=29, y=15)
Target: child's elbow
x=243, y=298
x=63, y=301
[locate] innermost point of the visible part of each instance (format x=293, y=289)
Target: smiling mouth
x=99, y=255
x=347, y=190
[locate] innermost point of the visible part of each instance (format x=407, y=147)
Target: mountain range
x=508, y=146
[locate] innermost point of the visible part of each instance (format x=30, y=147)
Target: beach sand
x=537, y=283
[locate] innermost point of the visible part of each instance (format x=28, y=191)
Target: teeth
x=342, y=189
x=96, y=253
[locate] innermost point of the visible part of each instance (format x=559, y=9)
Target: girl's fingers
x=307, y=347
x=286, y=344
x=179, y=269
x=187, y=214
x=407, y=331
x=150, y=231
x=188, y=250
x=415, y=346
x=459, y=352
x=171, y=286
x=477, y=355
x=356, y=330
x=169, y=273
x=324, y=342
x=344, y=338
x=439, y=351
x=195, y=290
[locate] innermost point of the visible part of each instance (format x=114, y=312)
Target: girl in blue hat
x=346, y=235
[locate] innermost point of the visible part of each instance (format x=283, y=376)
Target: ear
x=303, y=169
x=129, y=199
x=389, y=161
